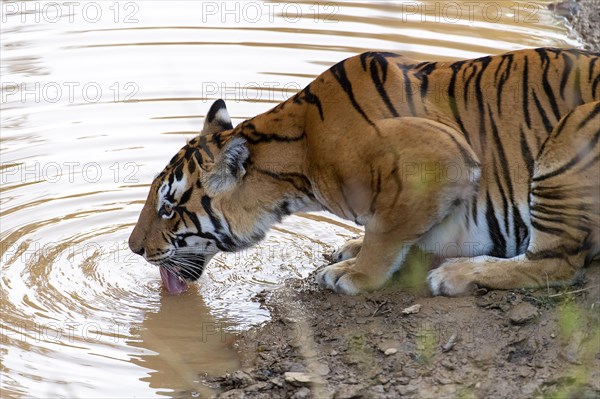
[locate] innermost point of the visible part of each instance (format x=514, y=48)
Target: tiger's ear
x=217, y=119
x=228, y=168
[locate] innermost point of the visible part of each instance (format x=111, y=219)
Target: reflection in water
x=183, y=339
x=93, y=106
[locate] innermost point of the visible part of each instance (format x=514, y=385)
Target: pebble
x=390, y=351
x=259, y=386
x=412, y=309
x=522, y=313
x=241, y=378
x=404, y=390
x=321, y=369
x=302, y=393
x=233, y=394
x=348, y=392
x=298, y=379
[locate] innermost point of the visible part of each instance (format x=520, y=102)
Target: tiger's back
x=506, y=106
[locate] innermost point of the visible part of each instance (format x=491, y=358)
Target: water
x=96, y=98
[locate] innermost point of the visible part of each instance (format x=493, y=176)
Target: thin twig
x=573, y=292
x=378, y=308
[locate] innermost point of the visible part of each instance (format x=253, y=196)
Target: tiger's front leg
x=380, y=256
x=399, y=196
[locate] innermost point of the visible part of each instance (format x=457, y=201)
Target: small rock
x=259, y=386
x=387, y=344
x=377, y=388
x=412, y=309
x=278, y=381
x=390, y=351
x=302, y=393
x=443, y=380
x=233, y=394
x=404, y=390
x=383, y=379
x=321, y=369
x=450, y=344
x=522, y=313
x=448, y=364
x=298, y=379
x=296, y=367
x=241, y=379
x=349, y=392
x=410, y=373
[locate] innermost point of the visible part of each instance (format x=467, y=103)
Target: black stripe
x=473, y=68
x=501, y=152
x=185, y=197
x=248, y=131
x=503, y=78
x=526, y=153
x=540, y=108
x=577, y=158
x=526, y=93
x=521, y=230
x=452, y=97
x=591, y=69
x=591, y=116
x=561, y=126
x=504, y=200
x=548, y=230
x=339, y=72
x=206, y=205
x=422, y=74
x=202, y=144
x=544, y=254
x=378, y=66
x=496, y=236
x=565, y=75
x=546, y=83
x=299, y=181
x=408, y=92
x=480, y=102
x=307, y=96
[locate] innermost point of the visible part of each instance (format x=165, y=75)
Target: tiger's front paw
x=343, y=278
x=452, y=279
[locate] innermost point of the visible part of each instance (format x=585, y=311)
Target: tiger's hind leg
x=565, y=216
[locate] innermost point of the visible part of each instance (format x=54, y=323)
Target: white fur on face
x=176, y=190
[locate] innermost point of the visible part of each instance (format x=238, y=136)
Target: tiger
x=490, y=164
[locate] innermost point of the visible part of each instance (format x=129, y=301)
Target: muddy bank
x=497, y=344
x=584, y=18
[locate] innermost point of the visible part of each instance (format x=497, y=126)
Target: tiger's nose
x=136, y=248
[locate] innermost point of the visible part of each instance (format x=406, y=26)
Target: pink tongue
x=172, y=283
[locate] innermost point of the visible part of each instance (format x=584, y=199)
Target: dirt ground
x=402, y=343
x=496, y=344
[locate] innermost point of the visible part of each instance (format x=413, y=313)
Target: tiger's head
x=194, y=207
